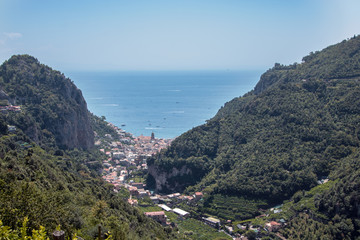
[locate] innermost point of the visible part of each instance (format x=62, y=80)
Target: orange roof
x=198, y=194
x=274, y=223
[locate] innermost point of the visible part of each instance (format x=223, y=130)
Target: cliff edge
x=53, y=110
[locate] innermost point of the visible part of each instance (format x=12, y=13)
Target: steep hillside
x=328, y=211
x=49, y=169
x=53, y=110
x=67, y=191
x=298, y=125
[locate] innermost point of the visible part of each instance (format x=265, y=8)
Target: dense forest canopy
x=300, y=124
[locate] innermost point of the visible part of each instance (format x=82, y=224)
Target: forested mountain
x=49, y=169
x=299, y=124
x=55, y=112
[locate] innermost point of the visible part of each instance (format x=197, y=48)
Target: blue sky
x=173, y=35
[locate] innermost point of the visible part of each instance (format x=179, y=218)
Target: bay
x=167, y=103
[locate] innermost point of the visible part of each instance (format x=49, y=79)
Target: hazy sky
x=173, y=35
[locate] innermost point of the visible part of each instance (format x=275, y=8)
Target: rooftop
x=159, y=213
x=180, y=211
x=213, y=220
x=163, y=206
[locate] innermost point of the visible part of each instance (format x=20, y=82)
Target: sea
x=166, y=103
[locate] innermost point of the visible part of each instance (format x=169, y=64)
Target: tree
x=251, y=235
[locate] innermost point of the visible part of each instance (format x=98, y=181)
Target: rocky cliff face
x=53, y=108
x=166, y=181
x=73, y=129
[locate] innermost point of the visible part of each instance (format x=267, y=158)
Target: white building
x=166, y=208
x=180, y=212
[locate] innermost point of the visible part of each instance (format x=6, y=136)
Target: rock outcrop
x=54, y=110
x=165, y=181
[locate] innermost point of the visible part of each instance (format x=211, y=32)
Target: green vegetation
x=230, y=207
x=101, y=126
x=10, y=234
x=54, y=113
x=40, y=234
x=328, y=211
x=300, y=124
x=52, y=190
x=49, y=173
x=194, y=229
x=189, y=228
x=150, y=209
x=137, y=179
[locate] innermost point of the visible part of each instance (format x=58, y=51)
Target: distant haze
x=173, y=35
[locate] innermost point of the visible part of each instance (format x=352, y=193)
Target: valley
x=280, y=162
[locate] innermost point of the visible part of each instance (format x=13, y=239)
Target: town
x=125, y=167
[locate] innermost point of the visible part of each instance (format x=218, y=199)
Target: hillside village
x=126, y=158
x=126, y=154
x=125, y=166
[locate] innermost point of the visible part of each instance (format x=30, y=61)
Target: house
x=108, y=136
x=106, y=164
x=119, y=155
x=272, y=226
x=11, y=129
x=229, y=229
x=133, y=191
x=143, y=192
x=133, y=202
x=182, y=197
x=239, y=226
x=164, y=199
x=116, y=186
x=171, y=196
x=198, y=196
x=177, y=195
x=181, y=212
x=164, y=207
x=157, y=216
x=214, y=222
x=154, y=199
x=123, y=162
x=188, y=198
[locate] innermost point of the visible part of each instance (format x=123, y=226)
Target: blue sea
x=166, y=103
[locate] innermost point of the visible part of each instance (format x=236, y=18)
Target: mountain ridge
x=296, y=126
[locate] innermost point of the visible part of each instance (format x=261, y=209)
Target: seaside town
x=127, y=154
x=125, y=167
